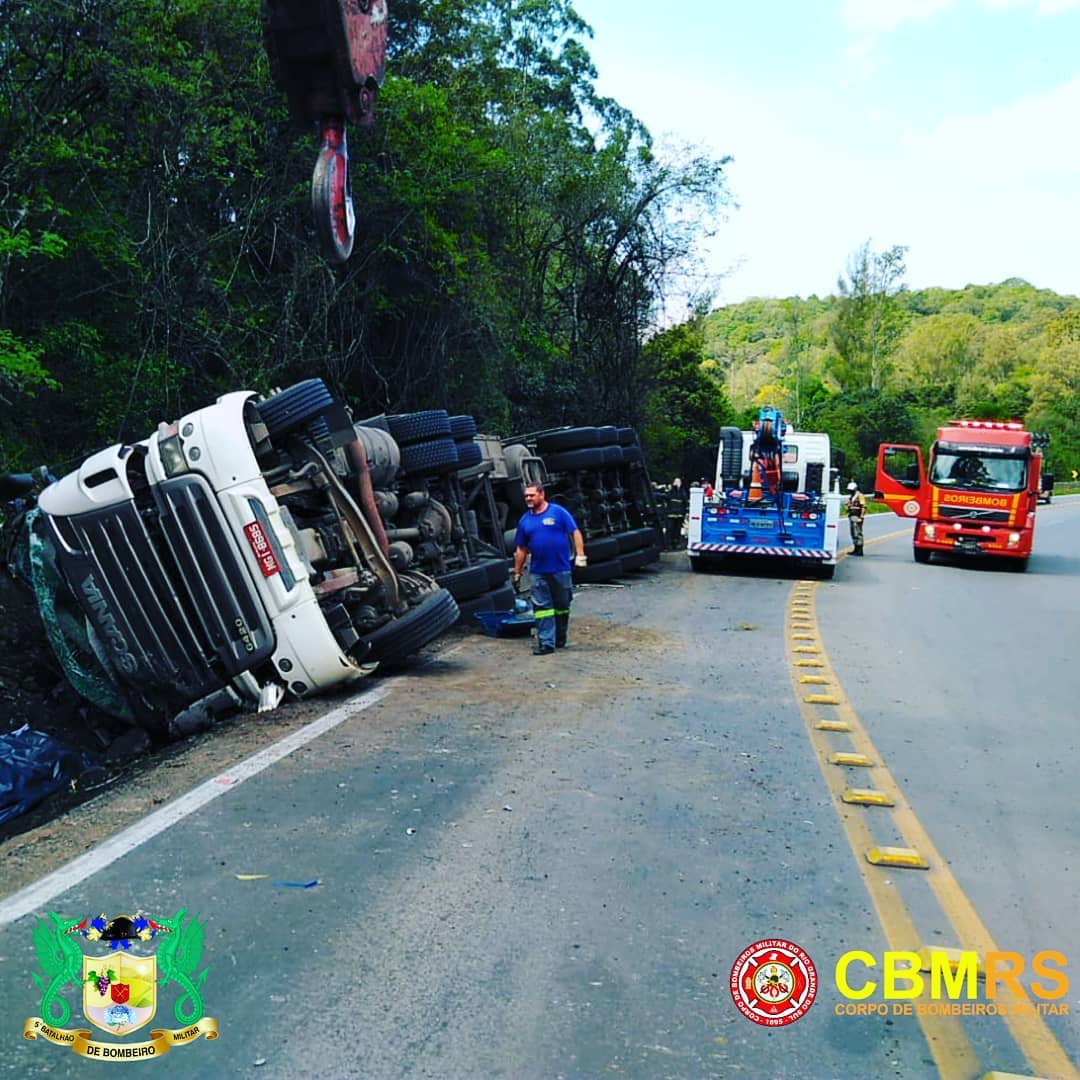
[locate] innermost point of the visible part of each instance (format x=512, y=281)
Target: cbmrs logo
x=952, y=975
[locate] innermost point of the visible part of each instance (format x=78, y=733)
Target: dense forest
x=517, y=236
x=515, y=230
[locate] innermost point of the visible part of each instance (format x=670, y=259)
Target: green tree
x=869, y=319
x=685, y=408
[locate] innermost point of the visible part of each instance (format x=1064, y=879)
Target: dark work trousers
x=856, y=524
x=674, y=532
x=552, y=595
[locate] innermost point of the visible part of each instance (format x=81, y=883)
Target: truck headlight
x=929, y=532
x=171, y=450
x=1014, y=539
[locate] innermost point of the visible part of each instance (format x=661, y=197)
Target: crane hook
x=331, y=197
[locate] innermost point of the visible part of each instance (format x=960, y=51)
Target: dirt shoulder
x=129, y=785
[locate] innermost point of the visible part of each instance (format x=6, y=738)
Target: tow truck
x=776, y=496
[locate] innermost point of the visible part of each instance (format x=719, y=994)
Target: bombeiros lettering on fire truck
x=977, y=497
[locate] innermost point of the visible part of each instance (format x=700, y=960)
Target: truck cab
x=977, y=495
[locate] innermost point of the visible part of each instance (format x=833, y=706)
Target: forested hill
x=876, y=363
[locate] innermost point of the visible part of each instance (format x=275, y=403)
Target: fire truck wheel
x=921, y=555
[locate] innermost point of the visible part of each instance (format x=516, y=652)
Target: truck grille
x=167, y=593
x=974, y=513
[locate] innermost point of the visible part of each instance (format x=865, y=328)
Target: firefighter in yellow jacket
x=856, y=512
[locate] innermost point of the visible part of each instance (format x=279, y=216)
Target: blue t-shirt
x=546, y=536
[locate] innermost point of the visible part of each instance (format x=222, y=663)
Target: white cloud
x=880, y=16
x=1042, y=7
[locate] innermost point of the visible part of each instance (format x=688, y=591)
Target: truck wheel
x=430, y=456
x=596, y=573
x=922, y=555
x=409, y=428
x=294, y=407
x=602, y=548
x=568, y=439
x=466, y=582
x=827, y=571
x=1018, y=566
x=568, y=460
x=410, y=632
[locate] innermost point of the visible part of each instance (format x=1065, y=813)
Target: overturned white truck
x=234, y=556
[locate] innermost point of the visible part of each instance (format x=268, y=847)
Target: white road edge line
x=122, y=843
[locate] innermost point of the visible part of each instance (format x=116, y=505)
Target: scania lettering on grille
x=268, y=564
x=110, y=629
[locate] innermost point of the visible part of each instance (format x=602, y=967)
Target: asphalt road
x=546, y=867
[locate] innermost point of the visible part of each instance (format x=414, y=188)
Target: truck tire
x=465, y=583
x=462, y=427
x=294, y=407
x=408, y=428
x=568, y=460
x=595, y=573
x=577, y=438
x=410, y=632
x=432, y=456
x=827, y=571
x=1018, y=566
x=469, y=454
x=635, y=560
x=922, y=555
x=602, y=548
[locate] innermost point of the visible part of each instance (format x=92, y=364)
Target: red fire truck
x=979, y=495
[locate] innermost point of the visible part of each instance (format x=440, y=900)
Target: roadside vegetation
x=517, y=236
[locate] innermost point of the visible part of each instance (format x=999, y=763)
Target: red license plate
x=256, y=535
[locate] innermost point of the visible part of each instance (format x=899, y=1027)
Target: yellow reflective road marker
x=897, y=856
x=868, y=797
x=804, y=637
x=832, y=725
x=807, y=649
x=947, y=1041
x=851, y=759
x=821, y=699
x=814, y=679
x=1009, y=1076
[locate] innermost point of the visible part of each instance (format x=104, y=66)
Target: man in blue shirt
x=546, y=534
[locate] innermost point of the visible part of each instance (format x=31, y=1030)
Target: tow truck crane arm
x=328, y=57
x=767, y=453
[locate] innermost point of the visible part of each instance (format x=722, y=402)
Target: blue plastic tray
x=506, y=623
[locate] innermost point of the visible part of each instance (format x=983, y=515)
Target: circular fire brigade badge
x=773, y=982
x=911, y=508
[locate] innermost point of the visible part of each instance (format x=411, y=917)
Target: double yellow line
x=842, y=746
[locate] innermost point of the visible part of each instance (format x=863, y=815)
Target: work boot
x=857, y=551
x=543, y=650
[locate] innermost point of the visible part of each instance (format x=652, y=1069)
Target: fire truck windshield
x=994, y=472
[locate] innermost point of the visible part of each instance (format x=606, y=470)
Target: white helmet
x=853, y=486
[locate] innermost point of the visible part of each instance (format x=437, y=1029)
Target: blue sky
x=949, y=126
